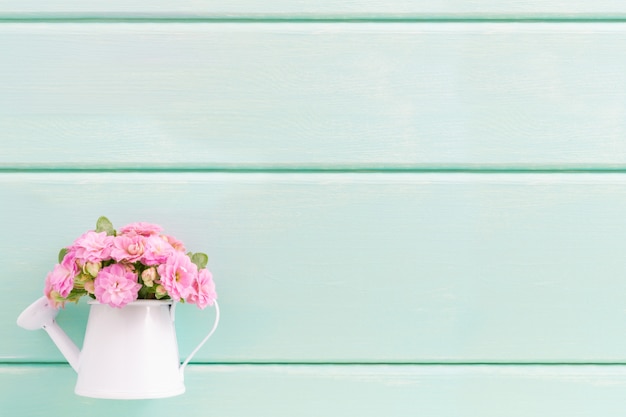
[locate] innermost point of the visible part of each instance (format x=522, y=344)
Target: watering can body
x=128, y=353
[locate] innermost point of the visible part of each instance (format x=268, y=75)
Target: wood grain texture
x=313, y=95
x=445, y=391
x=317, y=9
x=352, y=267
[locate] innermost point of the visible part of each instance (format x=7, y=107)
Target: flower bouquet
x=136, y=262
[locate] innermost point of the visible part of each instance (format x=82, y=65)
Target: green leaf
x=200, y=259
x=75, y=295
x=77, y=292
x=62, y=254
x=143, y=292
x=104, y=225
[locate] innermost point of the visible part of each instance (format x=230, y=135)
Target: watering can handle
x=193, y=352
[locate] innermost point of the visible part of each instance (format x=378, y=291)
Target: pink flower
x=157, y=250
x=141, y=229
x=203, y=290
x=127, y=248
x=92, y=247
x=69, y=261
x=176, y=244
x=178, y=274
x=59, y=284
x=106, y=265
x=116, y=286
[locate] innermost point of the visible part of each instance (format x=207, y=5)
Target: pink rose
x=176, y=244
x=203, y=290
x=178, y=274
x=59, y=284
x=157, y=250
x=141, y=229
x=127, y=248
x=116, y=286
x=69, y=261
x=92, y=247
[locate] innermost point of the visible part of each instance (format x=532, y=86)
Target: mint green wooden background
x=410, y=207
x=371, y=9
x=382, y=95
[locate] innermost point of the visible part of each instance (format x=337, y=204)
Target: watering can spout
x=40, y=315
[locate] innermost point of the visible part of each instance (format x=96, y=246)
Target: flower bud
x=93, y=268
x=80, y=279
x=148, y=276
x=160, y=291
x=56, y=298
x=89, y=287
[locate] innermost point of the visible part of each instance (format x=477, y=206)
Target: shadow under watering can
x=128, y=353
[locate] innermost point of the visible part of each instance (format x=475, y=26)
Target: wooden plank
x=317, y=9
x=315, y=95
x=338, y=391
x=352, y=267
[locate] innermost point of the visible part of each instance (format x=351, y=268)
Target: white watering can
x=128, y=353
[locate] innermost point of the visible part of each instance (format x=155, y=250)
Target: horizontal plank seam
x=47, y=18
x=430, y=364
x=318, y=170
